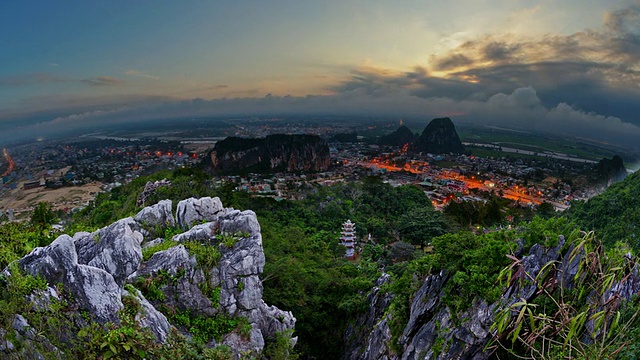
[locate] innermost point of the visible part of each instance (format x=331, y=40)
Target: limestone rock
x=192, y=211
x=95, y=290
x=52, y=262
x=185, y=292
x=203, y=232
x=466, y=338
x=118, y=250
x=93, y=268
x=160, y=214
x=242, y=347
x=370, y=336
x=150, y=317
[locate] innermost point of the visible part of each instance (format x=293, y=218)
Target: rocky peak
x=439, y=137
x=93, y=268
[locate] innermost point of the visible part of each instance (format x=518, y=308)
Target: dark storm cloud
x=500, y=51
x=452, y=61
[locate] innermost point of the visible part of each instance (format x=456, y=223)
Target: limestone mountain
x=273, y=153
x=401, y=136
x=611, y=170
x=439, y=137
x=203, y=282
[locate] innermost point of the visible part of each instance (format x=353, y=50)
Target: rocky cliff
x=439, y=137
x=201, y=264
x=273, y=153
x=433, y=332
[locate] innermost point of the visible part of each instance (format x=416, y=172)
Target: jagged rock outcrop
x=403, y=135
x=149, y=189
x=93, y=289
x=159, y=214
x=439, y=137
x=370, y=337
x=99, y=270
x=273, y=153
x=432, y=331
x=192, y=211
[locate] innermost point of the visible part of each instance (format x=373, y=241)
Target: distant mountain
x=398, y=138
x=271, y=154
x=611, y=170
x=439, y=137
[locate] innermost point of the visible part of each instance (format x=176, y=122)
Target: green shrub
x=148, y=251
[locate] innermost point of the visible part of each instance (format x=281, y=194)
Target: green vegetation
x=536, y=142
x=585, y=322
x=19, y=238
x=207, y=255
x=306, y=271
x=614, y=215
x=151, y=286
x=148, y=251
x=212, y=293
x=205, y=328
x=280, y=348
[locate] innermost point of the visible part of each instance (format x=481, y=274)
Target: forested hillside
x=614, y=215
x=410, y=245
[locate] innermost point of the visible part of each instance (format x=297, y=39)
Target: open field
x=583, y=148
x=22, y=201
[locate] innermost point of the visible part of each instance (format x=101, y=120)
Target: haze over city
x=569, y=67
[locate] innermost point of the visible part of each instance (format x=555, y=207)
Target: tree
x=43, y=215
x=420, y=225
x=546, y=210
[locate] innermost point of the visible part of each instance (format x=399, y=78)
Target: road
x=9, y=161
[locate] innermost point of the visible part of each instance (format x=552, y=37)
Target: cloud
x=520, y=109
x=30, y=79
x=452, y=61
x=103, y=81
x=596, y=71
x=132, y=72
x=583, y=84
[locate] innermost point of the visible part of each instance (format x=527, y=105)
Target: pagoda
x=348, y=238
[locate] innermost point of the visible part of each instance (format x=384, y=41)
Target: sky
x=561, y=66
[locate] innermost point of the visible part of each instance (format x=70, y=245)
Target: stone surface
x=150, y=317
x=369, y=337
x=118, y=250
x=94, y=267
x=193, y=211
x=160, y=214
